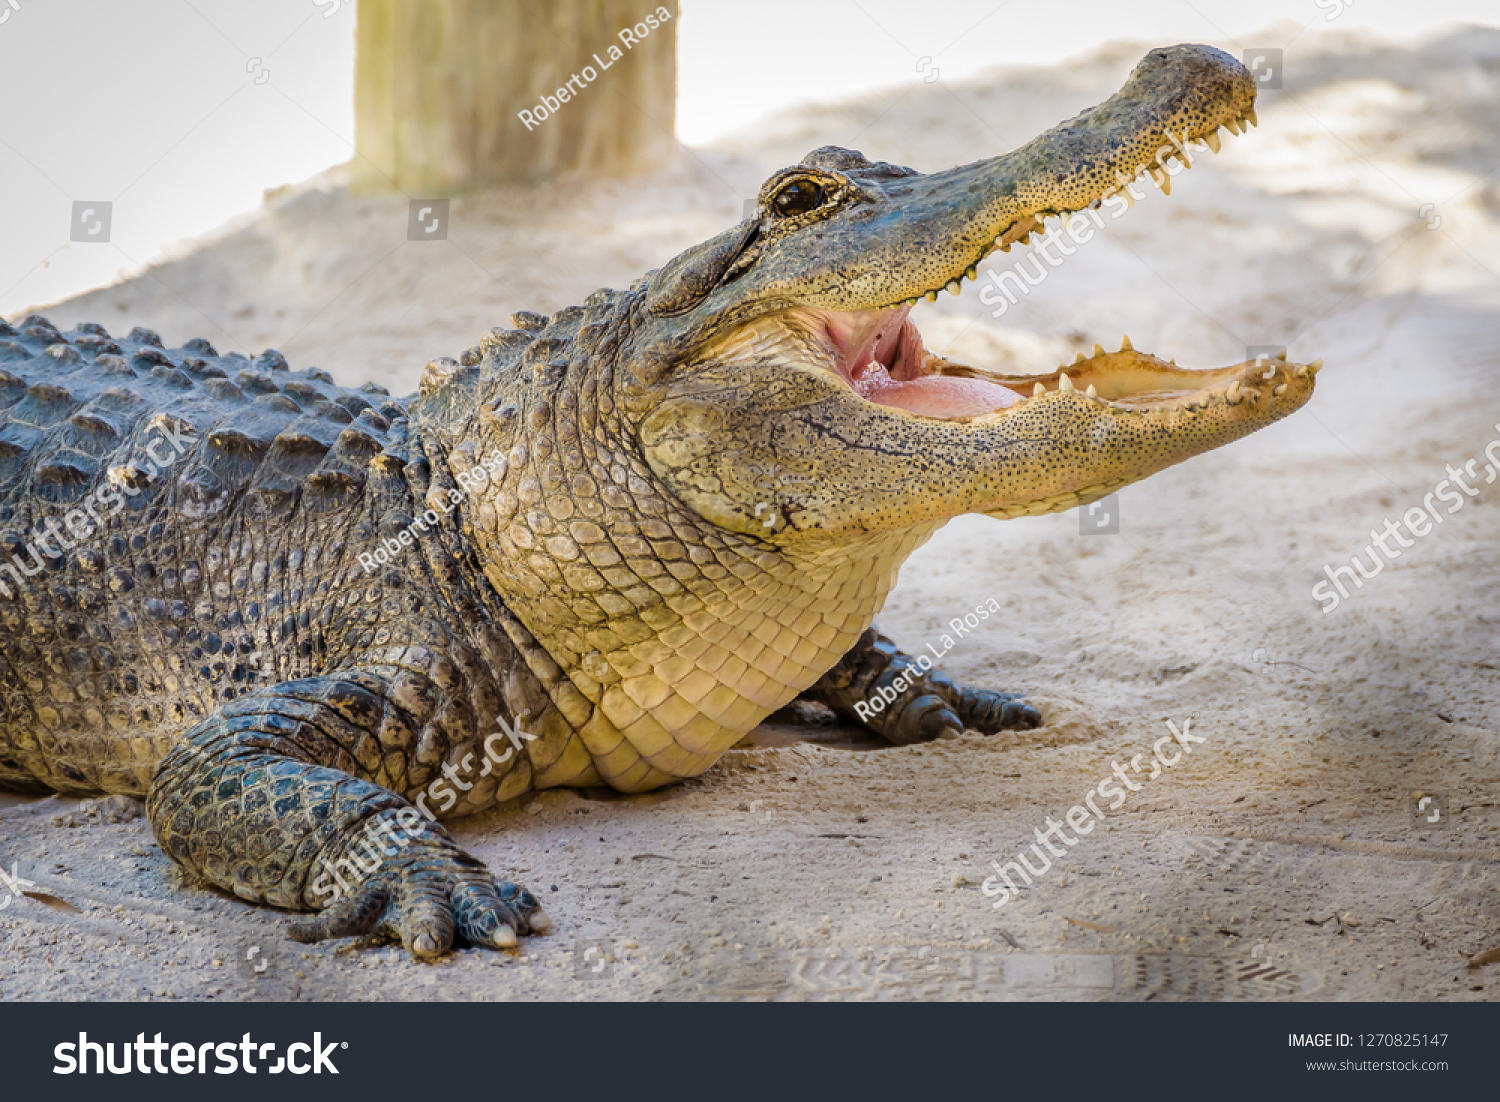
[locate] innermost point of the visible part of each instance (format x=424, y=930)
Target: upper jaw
x=858, y=318
x=905, y=236
x=1016, y=224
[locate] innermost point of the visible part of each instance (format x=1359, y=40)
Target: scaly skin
x=652, y=521
x=927, y=705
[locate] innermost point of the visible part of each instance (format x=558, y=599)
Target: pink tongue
x=933, y=395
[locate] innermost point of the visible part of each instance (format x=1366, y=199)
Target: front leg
x=275, y=798
x=879, y=686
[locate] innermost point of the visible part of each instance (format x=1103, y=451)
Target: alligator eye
x=798, y=197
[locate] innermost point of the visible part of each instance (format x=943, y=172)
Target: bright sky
x=737, y=60
x=162, y=108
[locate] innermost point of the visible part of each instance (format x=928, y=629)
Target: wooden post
x=440, y=84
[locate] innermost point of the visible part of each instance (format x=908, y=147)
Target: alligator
x=309, y=624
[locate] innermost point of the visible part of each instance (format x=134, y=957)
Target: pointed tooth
x=1125, y=345
x=1067, y=216
x=1080, y=358
x=954, y=287
x=1281, y=354
x=1172, y=360
x=1098, y=349
x=1005, y=248
x=1063, y=382
x=1091, y=392
x=1250, y=114
x=1163, y=180
x=1280, y=390
x=1129, y=198
x=1212, y=141
x=971, y=272
x=930, y=296
x=1038, y=390
x=1233, y=127
x=1232, y=393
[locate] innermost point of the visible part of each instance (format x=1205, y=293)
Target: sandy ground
x=1284, y=858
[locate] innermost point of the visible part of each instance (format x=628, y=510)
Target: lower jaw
x=921, y=383
x=944, y=396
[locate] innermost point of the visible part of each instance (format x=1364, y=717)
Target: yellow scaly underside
x=1058, y=503
x=698, y=686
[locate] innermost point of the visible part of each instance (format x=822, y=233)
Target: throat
x=661, y=694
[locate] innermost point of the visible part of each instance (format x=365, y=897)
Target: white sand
x=1281, y=860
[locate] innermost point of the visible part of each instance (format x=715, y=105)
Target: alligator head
x=710, y=480
x=787, y=347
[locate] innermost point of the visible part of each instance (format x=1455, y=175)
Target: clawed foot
x=988, y=712
x=932, y=716
x=428, y=901
x=920, y=705
x=905, y=700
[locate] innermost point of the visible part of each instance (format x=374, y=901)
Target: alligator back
x=175, y=527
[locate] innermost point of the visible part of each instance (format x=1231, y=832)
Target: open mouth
x=810, y=359
x=881, y=356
